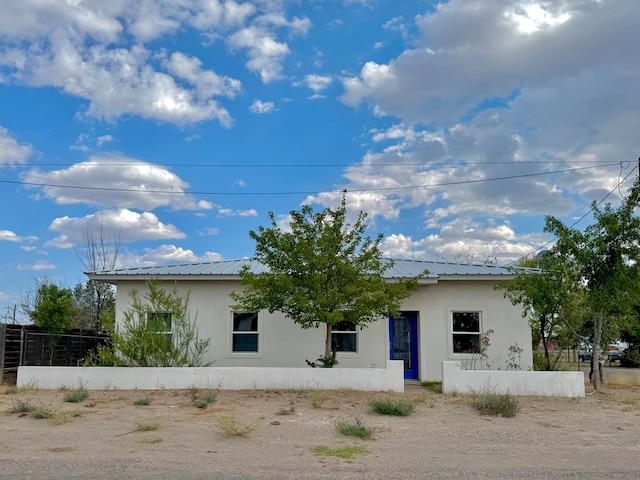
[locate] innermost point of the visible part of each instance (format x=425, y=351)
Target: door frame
x=412, y=373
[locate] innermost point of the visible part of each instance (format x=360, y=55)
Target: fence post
x=3, y=349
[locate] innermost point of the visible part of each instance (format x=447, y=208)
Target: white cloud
x=128, y=226
x=9, y=236
x=112, y=180
x=104, y=53
x=260, y=107
x=228, y=212
x=102, y=139
x=39, y=266
x=318, y=83
x=11, y=151
x=265, y=53
x=167, y=254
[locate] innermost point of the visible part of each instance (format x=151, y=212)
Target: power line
x=361, y=190
x=593, y=207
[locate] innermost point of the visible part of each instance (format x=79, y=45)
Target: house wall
x=282, y=343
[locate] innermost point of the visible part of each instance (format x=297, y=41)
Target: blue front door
x=403, y=337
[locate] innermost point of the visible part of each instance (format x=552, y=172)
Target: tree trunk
x=595, y=354
x=543, y=325
x=328, y=351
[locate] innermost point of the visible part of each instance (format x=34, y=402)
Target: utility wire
x=361, y=190
x=592, y=209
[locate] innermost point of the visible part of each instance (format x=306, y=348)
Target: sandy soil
x=593, y=437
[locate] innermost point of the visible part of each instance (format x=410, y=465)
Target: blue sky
x=178, y=125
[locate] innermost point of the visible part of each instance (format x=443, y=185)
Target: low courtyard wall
x=550, y=384
x=390, y=378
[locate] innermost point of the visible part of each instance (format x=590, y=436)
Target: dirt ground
x=445, y=438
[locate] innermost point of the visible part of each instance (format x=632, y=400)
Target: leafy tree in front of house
x=94, y=305
x=552, y=299
x=156, y=331
x=324, y=271
x=607, y=257
x=53, y=312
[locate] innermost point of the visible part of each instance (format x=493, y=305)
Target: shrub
x=318, y=397
x=230, y=425
x=630, y=358
x=142, y=401
x=147, y=426
x=397, y=408
x=435, y=387
x=76, y=396
x=203, y=399
x=494, y=404
x=355, y=428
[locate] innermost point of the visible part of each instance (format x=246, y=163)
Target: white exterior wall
x=283, y=343
x=434, y=304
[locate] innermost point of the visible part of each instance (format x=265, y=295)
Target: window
x=466, y=332
x=344, y=337
x=161, y=323
x=245, y=332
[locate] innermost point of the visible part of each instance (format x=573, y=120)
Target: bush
x=354, y=428
x=398, y=408
x=142, y=401
x=494, y=404
x=630, y=358
x=76, y=396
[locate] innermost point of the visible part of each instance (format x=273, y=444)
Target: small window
x=466, y=332
x=161, y=323
x=344, y=337
x=245, y=332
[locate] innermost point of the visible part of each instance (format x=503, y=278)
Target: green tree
x=156, y=331
x=551, y=298
x=53, y=312
x=606, y=256
x=92, y=303
x=322, y=272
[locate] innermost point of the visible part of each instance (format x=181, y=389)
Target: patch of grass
x=398, y=408
x=621, y=381
x=355, y=428
x=435, y=387
x=151, y=440
x=318, y=397
x=232, y=427
x=60, y=418
x=147, y=426
x=21, y=406
x=202, y=399
x=142, y=401
x=10, y=390
x=286, y=411
x=40, y=413
x=76, y=396
x=495, y=404
x=346, y=452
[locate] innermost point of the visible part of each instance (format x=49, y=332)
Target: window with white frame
x=244, y=337
x=162, y=324
x=466, y=331
x=344, y=337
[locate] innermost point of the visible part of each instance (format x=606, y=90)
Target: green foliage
x=95, y=304
x=318, y=397
x=630, y=358
x=322, y=272
x=142, y=401
x=435, y=387
x=494, y=404
x=76, y=396
x=551, y=297
x=156, y=332
x=25, y=407
x=607, y=257
x=232, y=427
x=54, y=309
x=398, y=408
x=355, y=428
x=347, y=451
x=203, y=399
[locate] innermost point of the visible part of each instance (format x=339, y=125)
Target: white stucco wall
x=283, y=343
x=550, y=384
x=390, y=378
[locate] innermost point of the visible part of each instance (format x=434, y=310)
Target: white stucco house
x=443, y=320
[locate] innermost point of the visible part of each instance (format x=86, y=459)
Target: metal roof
x=230, y=269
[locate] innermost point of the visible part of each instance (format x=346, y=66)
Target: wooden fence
x=29, y=345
